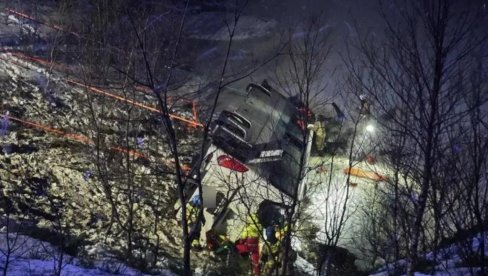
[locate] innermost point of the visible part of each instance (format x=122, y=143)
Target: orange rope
x=150, y=108
x=79, y=137
x=194, y=122
x=128, y=151
x=42, y=61
x=36, y=125
x=194, y=112
x=73, y=136
x=85, y=140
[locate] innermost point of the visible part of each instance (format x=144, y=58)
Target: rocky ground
x=83, y=167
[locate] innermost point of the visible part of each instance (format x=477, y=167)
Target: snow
x=22, y=267
x=448, y=261
x=330, y=196
x=33, y=257
x=80, y=177
x=476, y=242
x=28, y=91
x=305, y=267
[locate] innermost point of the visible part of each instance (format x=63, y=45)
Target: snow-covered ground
x=447, y=261
x=33, y=257
x=32, y=92
x=336, y=208
x=48, y=166
x=345, y=211
x=49, y=173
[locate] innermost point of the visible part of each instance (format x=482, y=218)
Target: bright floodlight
x=370, y=128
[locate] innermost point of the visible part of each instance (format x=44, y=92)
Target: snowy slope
x=448, y=260
x=34, y=257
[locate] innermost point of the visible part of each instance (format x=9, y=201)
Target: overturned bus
x=255, y=161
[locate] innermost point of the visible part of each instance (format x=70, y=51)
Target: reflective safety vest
x=271, y=258
x=271, y=249
x=191, y=214
x=252, y=228
x=319, y=129
x=281, y=232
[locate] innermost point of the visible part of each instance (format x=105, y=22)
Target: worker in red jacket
x=248, y=243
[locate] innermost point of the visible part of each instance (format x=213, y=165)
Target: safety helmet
x=196, y=200
x=362, y=97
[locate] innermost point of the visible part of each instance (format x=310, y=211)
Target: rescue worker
x=365, y=108
x=192, y=219
x=273, y=252
x=319, y=132
x=270, y=253
x=248, y=243
x=218, y=243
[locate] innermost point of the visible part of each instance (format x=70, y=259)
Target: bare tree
x=15, y=243
x=466, y=164
x=305, y=76
x=160, y=86
x=411, y=80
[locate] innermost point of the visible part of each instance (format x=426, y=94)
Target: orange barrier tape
x=120, y=98
x=73, y=136
x=148, y=90
x=41, y=61
x=79, y=137
x=365, y=174
x=85, y=140
x=36, y=125
x=194, y=111
x=193, y=123
x=133, y=153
